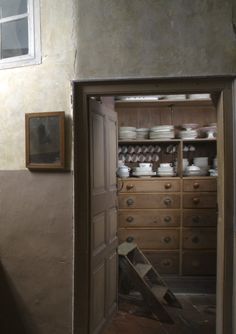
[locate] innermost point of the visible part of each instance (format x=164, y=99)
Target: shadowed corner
x=13, y=313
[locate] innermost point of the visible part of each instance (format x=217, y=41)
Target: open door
x=103, y=220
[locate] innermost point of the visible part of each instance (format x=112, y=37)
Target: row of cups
x=139, y=149
x=148, y=157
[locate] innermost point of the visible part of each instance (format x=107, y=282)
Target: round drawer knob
x=196, y=200
x=195, y=240
x=167, y=201
x=130, y=201
x=167, y=219
x=130, y=219
x=129, y=186
x=196, y=219
x=168, y=185
x=167, y=240
x=196, y=185
x=130, y=239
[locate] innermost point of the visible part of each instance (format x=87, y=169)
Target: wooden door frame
x=82, y=90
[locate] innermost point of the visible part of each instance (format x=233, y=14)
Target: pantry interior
x=191, y=249
x=170, y=212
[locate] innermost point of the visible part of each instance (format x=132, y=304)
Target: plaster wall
x=36, y=208
x=156, y=38
x=44, y=87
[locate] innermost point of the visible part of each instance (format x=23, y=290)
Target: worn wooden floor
x=196, y=317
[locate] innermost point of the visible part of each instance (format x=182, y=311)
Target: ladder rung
x=126, y=247
x=159, y=291
x=142, y=268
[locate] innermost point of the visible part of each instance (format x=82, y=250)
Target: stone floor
x=196, y=317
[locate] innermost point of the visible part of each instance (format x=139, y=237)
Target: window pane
x=14, y=38
x=12, y=7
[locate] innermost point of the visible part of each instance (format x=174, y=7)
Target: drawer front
x=166, y=262
x=200, y=185
x=199, y=200
x=151, y=238
x=169, y=185
x=199, y=263
x=151, y=218
x=149, y=201
x=196, y=238
x=199, y=218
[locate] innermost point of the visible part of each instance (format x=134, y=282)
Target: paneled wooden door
x=103, y=222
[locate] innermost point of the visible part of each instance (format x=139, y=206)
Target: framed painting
x=45, y=140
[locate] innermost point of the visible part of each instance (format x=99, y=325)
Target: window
x=19, y=33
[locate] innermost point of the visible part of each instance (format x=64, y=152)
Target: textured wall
x=36, y=244
x=44, y=87
x=36, y=209
x=155, y=38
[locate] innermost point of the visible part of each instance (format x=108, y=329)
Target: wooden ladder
x=147, y=281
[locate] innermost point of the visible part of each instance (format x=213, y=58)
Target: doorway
x=221, y=92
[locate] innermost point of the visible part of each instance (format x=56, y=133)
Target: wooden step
x=126, y=247
x=159, y=291
x=143, y=268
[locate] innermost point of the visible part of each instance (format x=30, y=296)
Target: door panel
x=98, y=232
x=98, y=297
x=112, y=285
x=103, y=227
x=112, y=230
x=97, y=152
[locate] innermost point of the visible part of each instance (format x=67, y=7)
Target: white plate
x=167, y=175
x=144, y=173
x=162, y=128
x=127, y=128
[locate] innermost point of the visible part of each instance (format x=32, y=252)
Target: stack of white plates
x=162, y=132
x=188, y=134
x=190, y=126
x=143, y=171
x=192, y=171
x=142, y=133
x=165, y=170
x=127, y=132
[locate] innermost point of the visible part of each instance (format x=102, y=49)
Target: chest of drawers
x=173, y=220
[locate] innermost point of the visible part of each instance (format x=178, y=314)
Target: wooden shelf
x=175, y=140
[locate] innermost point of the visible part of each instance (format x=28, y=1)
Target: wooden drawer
x=199, y=263
x=148, y=218
x=165, y=262
x=199, y=200
x=151, y=238
x=200, y=185
x=152, y=185
x=199, y=238
x=199, y=218
x=149, y=201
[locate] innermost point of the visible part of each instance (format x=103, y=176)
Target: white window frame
x=34, y=46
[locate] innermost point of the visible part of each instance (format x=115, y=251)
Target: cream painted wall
x=156, y=38
x=41, y=88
